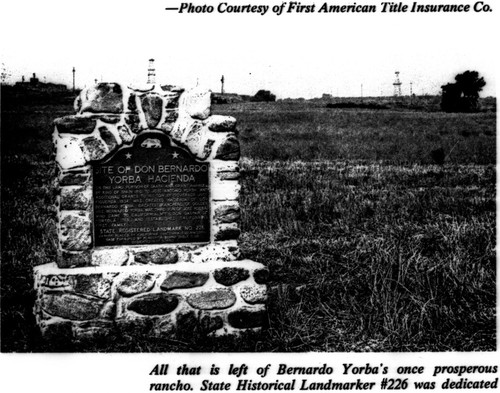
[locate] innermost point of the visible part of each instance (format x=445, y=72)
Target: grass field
x=378, y=227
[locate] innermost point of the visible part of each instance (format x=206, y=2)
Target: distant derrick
x=397, y=86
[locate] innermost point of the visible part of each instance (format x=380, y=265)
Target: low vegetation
x=374, y=242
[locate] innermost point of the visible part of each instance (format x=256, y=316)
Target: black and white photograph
x=248, y=195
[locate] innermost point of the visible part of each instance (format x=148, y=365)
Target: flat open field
x=378, y=227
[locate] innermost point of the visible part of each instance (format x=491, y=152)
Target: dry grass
x=374, y=257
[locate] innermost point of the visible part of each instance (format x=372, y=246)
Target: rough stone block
x=109, y=256
x=153, y=304
x=184, y=280
x=132, y=103
x=102, y=98
x=135, y=283
x=227, y=213
x=171, y=100
x=108, y=138
x=110, y=119
x=193, y=136
x=170, y=115
x=75, y=230
x=230, y=275
x=228, y=175
x=125, y=133
x=93, y=284
x=261, y=276
x=71, y=306
x=226, y=231
x=200, y=146
x=185, y=127
x=67, y=259
x=75, y=124
x=158, y=256
x=209, y=324
x=196, y=103
x=75, y=198
x=133, y=122
x=253, y=294
x=219, y=298
x=69, y=154
x=152, y=106
x=247, y=318
x=207, y=149
x=220, y=123
x=229, y=149
x=94, y=148
x=75, y=177
x=168, y=122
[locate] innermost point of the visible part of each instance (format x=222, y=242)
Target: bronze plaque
x=151, y=193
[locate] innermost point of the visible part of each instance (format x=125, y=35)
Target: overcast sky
x=293, y=55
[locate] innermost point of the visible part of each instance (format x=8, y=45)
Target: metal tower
x=151, y=72
x=397, y=86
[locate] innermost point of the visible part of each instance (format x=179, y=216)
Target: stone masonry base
x=215, y=298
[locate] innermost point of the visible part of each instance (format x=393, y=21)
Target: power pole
x=222, y=85
x=74, y=79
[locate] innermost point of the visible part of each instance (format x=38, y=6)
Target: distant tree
x=463, y=95
x=264, y=95
x=4, y=74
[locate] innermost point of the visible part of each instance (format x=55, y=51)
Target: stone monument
x=148, y=220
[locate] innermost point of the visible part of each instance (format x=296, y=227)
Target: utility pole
x=222, y=85
x=74, y=79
